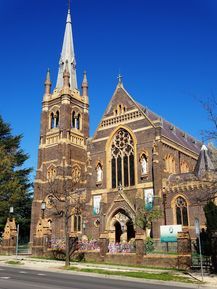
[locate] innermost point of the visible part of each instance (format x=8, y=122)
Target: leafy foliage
x=14, y=180
x=149, y=245
x=145, y=217
x=210, y=210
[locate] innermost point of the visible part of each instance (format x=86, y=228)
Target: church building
x=134, y=163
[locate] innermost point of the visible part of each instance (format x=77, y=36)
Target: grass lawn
x=164, y=276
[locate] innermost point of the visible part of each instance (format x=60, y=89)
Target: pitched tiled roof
x=172, y=132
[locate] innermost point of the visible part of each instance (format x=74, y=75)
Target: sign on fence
x=168, y=233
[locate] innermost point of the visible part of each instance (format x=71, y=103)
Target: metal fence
x=157, y=247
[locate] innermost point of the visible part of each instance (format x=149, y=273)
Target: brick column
x=184, y=250
x=140, y=248
x=104, y=241
x=183, y=243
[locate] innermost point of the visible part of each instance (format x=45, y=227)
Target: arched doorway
x=130, y=230
x=118, y=232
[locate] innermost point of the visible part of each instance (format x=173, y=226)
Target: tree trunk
x=67, y=261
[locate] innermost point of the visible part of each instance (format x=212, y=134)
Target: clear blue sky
x=166, y=51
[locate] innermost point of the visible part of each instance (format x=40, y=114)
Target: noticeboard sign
x=168, y=233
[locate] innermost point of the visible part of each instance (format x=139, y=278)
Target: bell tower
x=64, y=129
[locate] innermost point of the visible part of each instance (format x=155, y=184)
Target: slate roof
x=168, y=130
x=172, y=132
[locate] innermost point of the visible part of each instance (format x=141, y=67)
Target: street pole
x=17, y=241
x=197, y=230
x=165, y=215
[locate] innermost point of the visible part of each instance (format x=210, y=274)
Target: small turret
x=84, y=85
x=204, y=163
x=66, y=76
x=47, y=83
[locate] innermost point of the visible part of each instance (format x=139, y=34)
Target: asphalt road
x=18, y=278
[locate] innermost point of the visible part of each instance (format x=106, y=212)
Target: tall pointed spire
x=67, y=54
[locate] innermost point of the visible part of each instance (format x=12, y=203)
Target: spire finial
x=120, y=78
x=69, y=5
x=85, y=76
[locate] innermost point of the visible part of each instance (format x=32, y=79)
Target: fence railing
x=157, y=247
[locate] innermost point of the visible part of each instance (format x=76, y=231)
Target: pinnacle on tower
x=84, y=85
x=66, y=75
x=67, y=54
x=47, y=82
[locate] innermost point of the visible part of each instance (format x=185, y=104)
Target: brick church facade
x=135, y=159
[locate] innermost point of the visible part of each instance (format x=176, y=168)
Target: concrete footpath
x=210, y=281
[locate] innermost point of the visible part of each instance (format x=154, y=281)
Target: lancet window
x=181, y=211
x=170, y=165
x=76, y=120
x=54, y=119
x=120, y=109
x=122, y=159
x=77, y=223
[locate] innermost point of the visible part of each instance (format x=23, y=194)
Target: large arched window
x=181, y=211
x=122, y=159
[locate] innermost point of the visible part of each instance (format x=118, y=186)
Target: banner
x=96, y=204
x=149, y=199
x=169, y=233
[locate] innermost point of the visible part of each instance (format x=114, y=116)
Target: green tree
x=210, y=210
x=14, y=180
